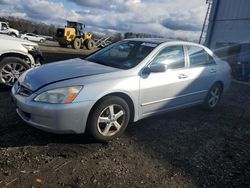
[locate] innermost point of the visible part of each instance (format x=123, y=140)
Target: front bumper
x=55, y=118
x=38, y=57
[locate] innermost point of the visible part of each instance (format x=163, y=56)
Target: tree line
x=28, y=26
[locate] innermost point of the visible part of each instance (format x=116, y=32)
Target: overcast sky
x=168, y=18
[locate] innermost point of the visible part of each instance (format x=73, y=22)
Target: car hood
x=13, y=30
x=36, y=78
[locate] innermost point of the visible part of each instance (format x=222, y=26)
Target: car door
x=32, y=37
x=163, y=91
x=36, y=38
x=202, y=71
x=28, y=36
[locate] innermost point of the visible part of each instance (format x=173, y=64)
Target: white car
x=5, y=29
x=33, y=37
x=16, y=56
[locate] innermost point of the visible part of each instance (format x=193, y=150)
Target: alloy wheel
x=11, y=72
x=214, y=97
x=111, y=120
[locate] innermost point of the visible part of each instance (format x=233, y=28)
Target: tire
x=63, y=45
x=90, y=44
x=213, y=97
x=26, y=38
x=110, y=127
x=41, y=41
x=77, y=43
x=11, y=69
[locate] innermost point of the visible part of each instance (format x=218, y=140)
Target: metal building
x=227, y=29
x=229, y=22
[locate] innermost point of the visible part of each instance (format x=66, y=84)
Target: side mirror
x=158, y=67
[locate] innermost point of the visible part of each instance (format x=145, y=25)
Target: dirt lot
x=188, y=148
x=52, y=52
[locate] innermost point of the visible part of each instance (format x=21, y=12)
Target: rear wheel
x=41, y=41
x=11, y=69
x=25, y=38
x=109, y=119
x=77, y=43
x=213, y=97
x=90, y=44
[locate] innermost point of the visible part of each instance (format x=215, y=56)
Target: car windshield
x=123, y=54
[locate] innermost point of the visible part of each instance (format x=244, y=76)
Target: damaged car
x=17, y=56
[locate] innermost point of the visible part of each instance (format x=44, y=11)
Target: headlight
x=30, y=48
x=59, y=96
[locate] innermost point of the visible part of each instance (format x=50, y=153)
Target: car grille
x=23, y=91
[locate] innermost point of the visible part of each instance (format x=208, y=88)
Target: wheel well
x=12, y=33
x=221, y=84
x=21, y=56
x=123, y=96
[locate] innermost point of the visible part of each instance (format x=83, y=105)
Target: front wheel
x=109, y=118
x=41, y=41
x=11, y=68
x=77, y=43
x=90, y=44
x=213, y=97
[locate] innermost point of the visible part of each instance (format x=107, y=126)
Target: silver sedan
x=124, y=82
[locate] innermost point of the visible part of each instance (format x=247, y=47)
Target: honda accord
x=124, y=82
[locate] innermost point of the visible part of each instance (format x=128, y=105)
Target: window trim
x=188, y=57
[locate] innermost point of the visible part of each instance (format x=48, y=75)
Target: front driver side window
x=172, y=56
x=4, y=26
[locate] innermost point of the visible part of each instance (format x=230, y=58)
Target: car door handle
x=183, y=76
x=212, y=71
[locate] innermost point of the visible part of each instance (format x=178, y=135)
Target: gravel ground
x=187, y=148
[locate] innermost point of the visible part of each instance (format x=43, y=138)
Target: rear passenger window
x=199, y=57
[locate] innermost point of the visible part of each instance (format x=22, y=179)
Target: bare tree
x=27, y=26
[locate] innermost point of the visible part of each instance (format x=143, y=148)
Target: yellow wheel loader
x=73, y=35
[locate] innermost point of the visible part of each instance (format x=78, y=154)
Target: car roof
x=164, y=40
x=151, y=40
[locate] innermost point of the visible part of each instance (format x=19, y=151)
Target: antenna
x=206, y=22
